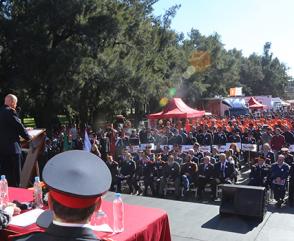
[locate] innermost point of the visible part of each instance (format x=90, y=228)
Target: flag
x=87, y=143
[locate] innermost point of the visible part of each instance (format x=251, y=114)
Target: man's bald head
x=11, y=101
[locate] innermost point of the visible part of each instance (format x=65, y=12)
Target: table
x=141, y=223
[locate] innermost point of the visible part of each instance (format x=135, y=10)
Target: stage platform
x=191, y=221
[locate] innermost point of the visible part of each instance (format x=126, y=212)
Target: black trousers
x=202, y=181
x=291, y=191
x=131, y=181
x=10, y=166
x=148, y=181
x=279, y=191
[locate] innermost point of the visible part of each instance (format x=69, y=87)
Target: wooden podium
x=34, y=148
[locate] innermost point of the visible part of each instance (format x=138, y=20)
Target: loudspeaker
x=243, y=200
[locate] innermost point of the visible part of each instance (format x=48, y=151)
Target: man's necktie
x=223, y=170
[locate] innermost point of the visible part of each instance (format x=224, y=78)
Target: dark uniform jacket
x=146, y=169
x=204, y=139
x=113, y=168
x=157, y=169
x=280, y=171
x=269, y=157
x=234, y=139
x=199, y=156
x=259, y=175
x=289, y=137
x=10, y=130
x=219, y=138
x=128, y=168
x=172, y=171
x=190, y=168
x=206, y=172
x=248, y=140
x=60, y=233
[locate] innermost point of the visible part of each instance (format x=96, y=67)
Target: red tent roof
x=176, y=108
x=254, y=104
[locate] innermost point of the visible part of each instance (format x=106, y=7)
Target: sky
x=243, y=24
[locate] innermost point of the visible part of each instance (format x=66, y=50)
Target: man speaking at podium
x=10, y=151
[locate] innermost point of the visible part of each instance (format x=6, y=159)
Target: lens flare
x=172, y=92
x=200, y=60
x=163, y=101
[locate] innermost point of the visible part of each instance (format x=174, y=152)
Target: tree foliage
x=96, y=58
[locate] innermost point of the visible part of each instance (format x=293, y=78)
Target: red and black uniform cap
x=76, y=179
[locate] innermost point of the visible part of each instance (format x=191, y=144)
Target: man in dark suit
x=205, y=175
x=10, y=151
x=76, y=181
x=224, y=172
x=170, y=173
x=188, y=172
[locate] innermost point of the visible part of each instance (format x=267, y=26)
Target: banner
x=249, y=147
x=205, y=148
x=133, y=149
x=143, y=146
x=229, y=144
x=186, y=148
x=220, y=148
x=169, y=146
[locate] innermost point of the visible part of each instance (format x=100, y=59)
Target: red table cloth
x=141, y=223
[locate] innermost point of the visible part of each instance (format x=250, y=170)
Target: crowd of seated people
x=151, y=172
x=214, y=155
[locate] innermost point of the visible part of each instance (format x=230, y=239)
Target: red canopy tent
x=176, y=108
x=254, y=104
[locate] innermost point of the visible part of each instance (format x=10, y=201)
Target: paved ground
x=190, y=221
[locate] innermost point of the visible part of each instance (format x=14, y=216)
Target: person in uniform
x=76, y=181
x=207, y=138
x=219, y=137
x=157, y=173
x=224, y=173
x=127, y=172
x=188, y=171
x=197, y=153
x=10, y=151
x=279, y=174
x=234, y=137
x=170, y=173
x=205, y=175
x=260, y=173
x=145, y=173
x=113, y=168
